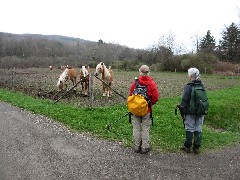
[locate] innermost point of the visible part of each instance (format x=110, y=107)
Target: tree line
x=31, y=50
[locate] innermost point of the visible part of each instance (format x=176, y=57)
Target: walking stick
x=68, y=91
x=181, y=113
x=129, y=113
x=111, y=88
x=110, y=125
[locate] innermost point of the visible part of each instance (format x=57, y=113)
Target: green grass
x=224, y=109
x=221, y=127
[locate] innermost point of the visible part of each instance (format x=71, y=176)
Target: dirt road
x=35, y=147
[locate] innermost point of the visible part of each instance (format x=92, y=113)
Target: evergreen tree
x=230, y=43
x=207, y=44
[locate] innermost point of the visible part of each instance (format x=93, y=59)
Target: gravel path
x=36, y=148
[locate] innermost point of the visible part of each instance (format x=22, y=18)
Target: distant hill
x=37, y=50
x=60, y=38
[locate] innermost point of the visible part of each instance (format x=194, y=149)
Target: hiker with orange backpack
x=142, y=120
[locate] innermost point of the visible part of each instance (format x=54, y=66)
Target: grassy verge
x=221, y=125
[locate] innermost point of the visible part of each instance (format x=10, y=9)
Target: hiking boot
x=186, y=149
x=145, y=150
x=137, y=149
x=197, y=142
x=196, y=150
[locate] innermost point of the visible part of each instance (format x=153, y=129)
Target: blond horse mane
x=67, y=74
x=84, y=78
x=107, y=76
x=106, y=72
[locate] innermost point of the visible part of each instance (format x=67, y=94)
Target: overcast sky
x=134, y=23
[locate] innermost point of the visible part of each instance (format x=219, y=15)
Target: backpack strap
x=148, y=100
x=151, y=116
x=136, y=82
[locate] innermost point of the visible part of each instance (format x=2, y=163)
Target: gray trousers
x=141, y=128
x=194, y=123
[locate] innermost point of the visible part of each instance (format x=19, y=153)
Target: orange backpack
x=138, y=102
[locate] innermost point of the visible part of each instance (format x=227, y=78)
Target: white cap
x=194, y=73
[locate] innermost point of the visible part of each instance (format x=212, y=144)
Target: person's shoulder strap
x=136, y=81
x=200, y=86
x=191, y=84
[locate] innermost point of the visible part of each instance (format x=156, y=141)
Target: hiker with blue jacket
x=141, y=124
x=193, y=122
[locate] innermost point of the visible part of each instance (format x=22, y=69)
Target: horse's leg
x=108, y=94
x=74, y=82
x=65, y=84
x=108, y=89
x=85, y=88
x=104, y=89
x=82, y=87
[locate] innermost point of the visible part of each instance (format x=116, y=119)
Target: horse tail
x=111, y=74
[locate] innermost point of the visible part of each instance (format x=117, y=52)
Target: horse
x=84, y=78
x=107, y=77
x=67, y=74
x=63, y=68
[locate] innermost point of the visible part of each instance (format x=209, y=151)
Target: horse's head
x=63, y=77
x=99, y=69
x=60, y=84
x=84, y=72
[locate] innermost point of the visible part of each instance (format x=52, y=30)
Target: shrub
x=205, y=62
x=227, y=68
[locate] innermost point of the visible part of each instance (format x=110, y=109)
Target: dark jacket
x=185, y=103
x=152, y=90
